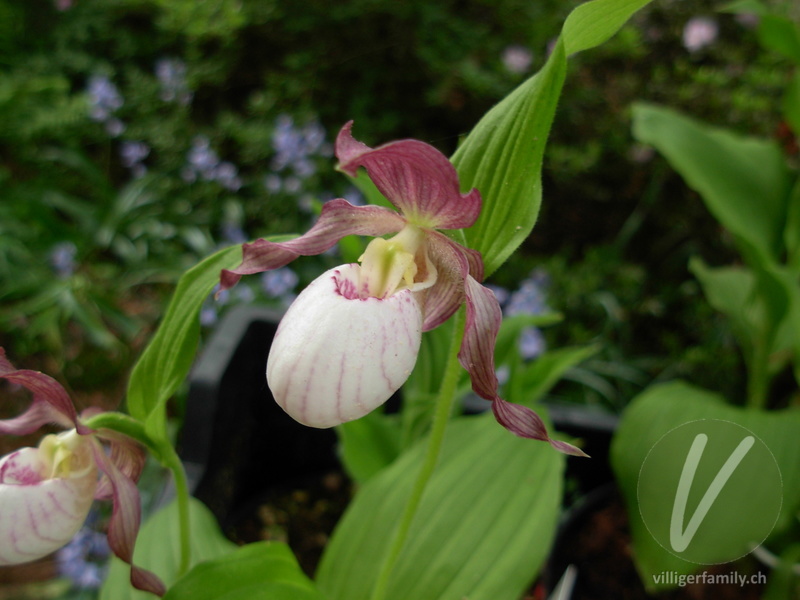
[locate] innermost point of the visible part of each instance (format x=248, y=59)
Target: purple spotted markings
x=352, y=337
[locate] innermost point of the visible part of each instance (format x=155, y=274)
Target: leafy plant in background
x=752, y=187
x=477, y=508
x=230, y=82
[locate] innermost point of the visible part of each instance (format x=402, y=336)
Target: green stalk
x=173, y=463
x=125, y=424
x=758, y=376
x=166, y=454
x=444, y=405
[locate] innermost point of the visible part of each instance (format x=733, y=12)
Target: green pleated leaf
x=368, y=444
x=260, y=571
x=158, y=550
x=763, y=306
x=743, y=181
x=502, y=156
x=792, y=234
x=543, y=373
x=422, y=387
x=662, y=408
x=780, y=34
x=730, y=291
x=483, y=529
x=168, y=357
x=790, y=104
x=593, y=23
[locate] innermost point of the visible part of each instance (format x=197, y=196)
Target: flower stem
x=173, y=463
x=166, y=454
x=444, y=405
x=758, y=376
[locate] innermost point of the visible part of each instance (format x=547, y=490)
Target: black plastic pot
x=236, y=440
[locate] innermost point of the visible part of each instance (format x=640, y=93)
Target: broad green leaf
x=544, y=372
x=790, y=104
x=260, y=571
x=781, y=35
x=743, y=181
x=483, y=529
x=368, y=444
x=512, y=327
x=167, y=359
x=746, y=7
x=502, y=156
x=422, y=387
x=729, y=290
x=791, y=236
x=158, y=549
x=662, y=408
x=787, y=337
x=593, y=23
x=763, y=307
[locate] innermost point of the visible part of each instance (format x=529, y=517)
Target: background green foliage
x=616, y=228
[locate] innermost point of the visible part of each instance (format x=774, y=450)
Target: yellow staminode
x=65, y=455
x=390, y=265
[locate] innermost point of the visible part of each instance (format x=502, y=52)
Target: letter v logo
x=680, y=538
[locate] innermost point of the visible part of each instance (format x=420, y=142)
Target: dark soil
x=302, y=514
x=599, y=546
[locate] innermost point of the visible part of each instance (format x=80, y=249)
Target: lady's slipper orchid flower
x=351, y=338
x=46, y=492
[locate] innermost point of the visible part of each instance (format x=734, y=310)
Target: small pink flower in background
x=351, y=338
x=517, y=59
x=62, y=5
x=46, y=492
x=699, y=32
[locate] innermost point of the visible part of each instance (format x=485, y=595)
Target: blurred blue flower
x=208, y=316
x=171, y=74
x=104, y=98
x=62, y=259
x=279, y=283
x=354, y=196
x=528, y=299
x=531, y=343
x=209, y=312
x=245, y=294
x=202, y=159
x=204, y=163
x=500, y=293
x=273, y=183
x=133, y=155
x=233, y=233
x=227, y=175
x=104, y=101
x=84, y=559
x=295, y=147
